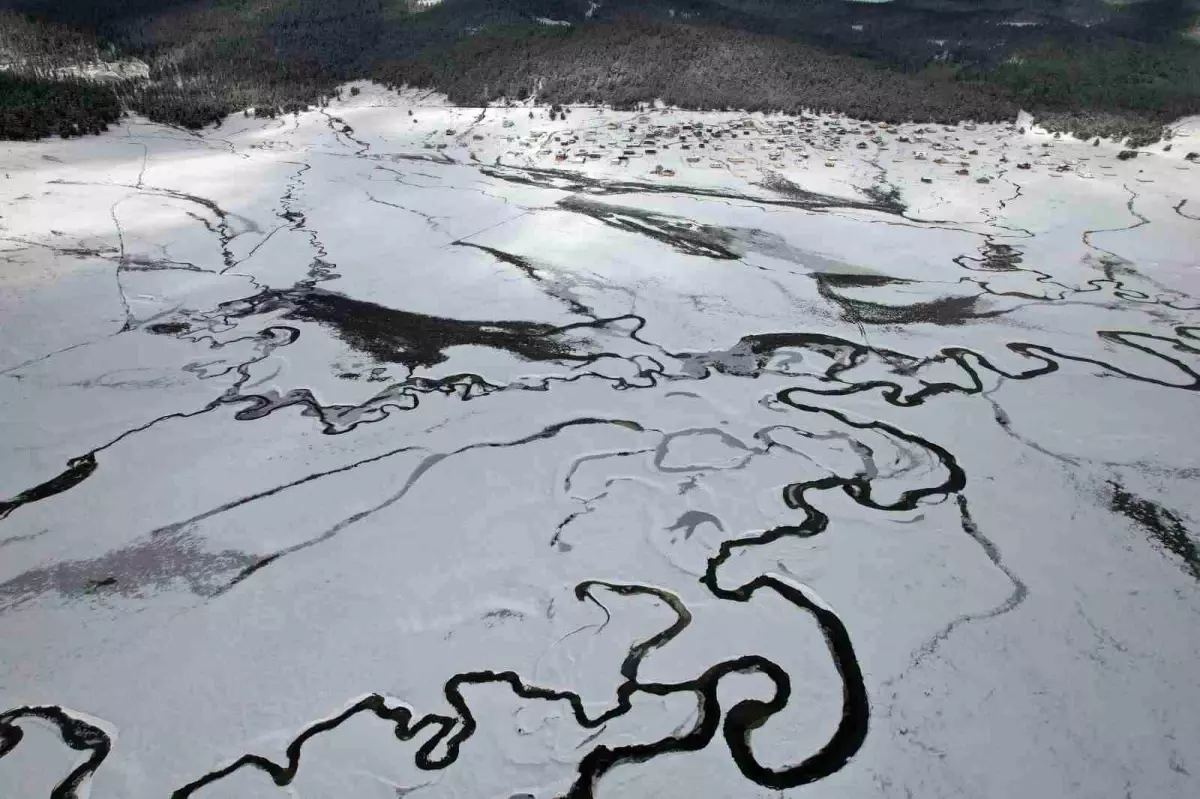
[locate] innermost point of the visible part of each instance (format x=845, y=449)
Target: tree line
x=210, y=58
x=33, y=108
x=635, y=61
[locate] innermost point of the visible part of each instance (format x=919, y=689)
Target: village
x=821, y=152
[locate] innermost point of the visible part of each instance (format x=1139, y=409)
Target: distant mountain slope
x=1124, y=62
x=689, y=66
x=904, y=31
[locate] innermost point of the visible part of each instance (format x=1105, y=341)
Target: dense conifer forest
x=70, y=66
x=32, y=108
x=688, y=66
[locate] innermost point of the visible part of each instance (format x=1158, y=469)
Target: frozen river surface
x=400, y=450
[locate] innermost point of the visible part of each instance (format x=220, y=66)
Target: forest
x=192, y=62
x=692, y=67
x=32, y=108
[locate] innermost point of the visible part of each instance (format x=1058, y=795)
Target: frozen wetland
x=403, y=450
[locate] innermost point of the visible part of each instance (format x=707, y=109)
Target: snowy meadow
x=400, y=449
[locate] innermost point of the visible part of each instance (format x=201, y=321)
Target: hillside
x=1090, y=66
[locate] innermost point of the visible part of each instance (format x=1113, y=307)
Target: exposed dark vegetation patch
x=168, y=328
x=412, y=339
x=681, y=234
x=1165, y=527
x=78, y=470
x=939, y=311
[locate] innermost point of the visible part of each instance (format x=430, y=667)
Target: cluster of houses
x=667, y=144
x=729, y=144
x=694, y=143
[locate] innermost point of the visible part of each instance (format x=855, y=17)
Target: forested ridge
x=688, y=66
x=70, y=66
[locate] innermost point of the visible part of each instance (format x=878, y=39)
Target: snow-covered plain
x=396, y=449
